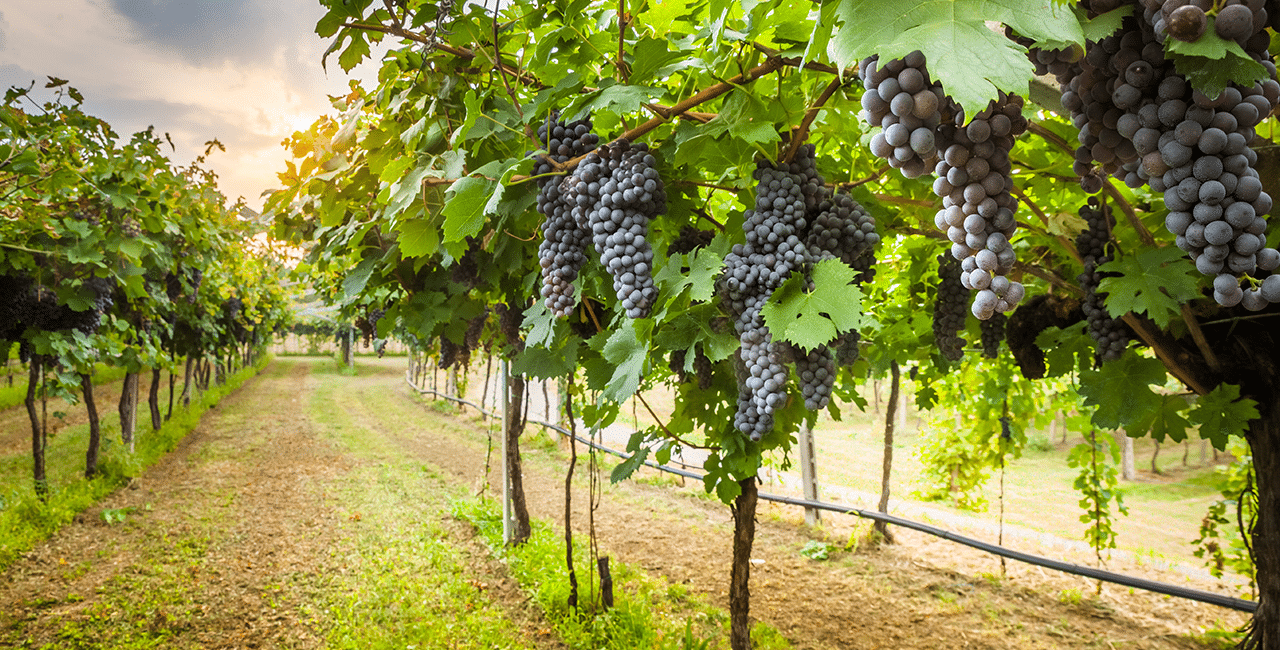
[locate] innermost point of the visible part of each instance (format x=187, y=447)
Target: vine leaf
x=1120, y=391
x=627, y=354
x=1166, y=421
x=464, y=207
x=814, y=318
x=1154, y=282
x=971, y=60
x=1104, y=25
x=1222, y=414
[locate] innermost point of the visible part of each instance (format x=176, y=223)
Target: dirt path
x=238, y=534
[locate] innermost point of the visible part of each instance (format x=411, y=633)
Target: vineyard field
x=310, y=494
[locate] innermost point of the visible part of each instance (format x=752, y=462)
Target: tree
x=418, y=194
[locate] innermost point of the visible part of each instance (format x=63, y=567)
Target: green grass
x=25, y=520
x=407, y=566
x=647, y=613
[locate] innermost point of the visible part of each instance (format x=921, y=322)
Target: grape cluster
x=27, y=304
x=977, y=207
x=950, y=308
x=795, y=222
x=702, y=368
x=752, y=272
x=817, y=373
x=689, y=239
x=992, y=332
x=925, y=130
x=564, y=240
x=618, y=190
x=900, y=98
x=1109, y=334
x=1142, y=122
x=1236, y=20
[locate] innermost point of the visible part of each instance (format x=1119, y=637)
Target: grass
x=410, y=569
x=25, y=520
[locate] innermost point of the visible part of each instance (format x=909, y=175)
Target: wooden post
x=809, y=474
x=508, y=517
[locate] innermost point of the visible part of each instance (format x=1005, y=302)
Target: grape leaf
x=1166, y=421
x=617, y=99
x=1154, y=282
x=464, y=207
x=627, y=355
x=418, y=238
x=355, y=281
x=1120, y=390
x=1211, y=76
x=971, y=60
x=811, y=319
x=1222, y=414
x=1104, y=25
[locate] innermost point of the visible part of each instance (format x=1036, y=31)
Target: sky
x=246, y=72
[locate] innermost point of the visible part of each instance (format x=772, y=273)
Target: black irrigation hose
x=1065, y=567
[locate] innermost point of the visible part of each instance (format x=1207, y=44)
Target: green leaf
x=971, y=60
x=1166, y=421
x=1154, y=282
x=811, y=319
x=1211, y=76
x=1222, y=414
x=1121, y=391
x=418, y=238
x=1104, y=25
x=650, y=55
x=617, y=99
x=464, y=207
x=627, y=355
x=626, y=468
x=356, y=281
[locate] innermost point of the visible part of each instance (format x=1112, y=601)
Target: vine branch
x=798, y=136
x=670, y=434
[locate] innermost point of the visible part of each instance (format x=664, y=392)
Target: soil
x=249, y=485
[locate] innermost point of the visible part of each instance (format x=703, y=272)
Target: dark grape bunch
x=1110, y=335
x=1235, y=20
x=702, y=368
x=901, y=99
x=27, y=304
x=1144, y=123
x=564, y=241
x=690, y=238
x=795, y=222
x=844, y=230
x=618, y=190
x=950, y=308
x=978, y=209
x=925, y=130
x=992, y=332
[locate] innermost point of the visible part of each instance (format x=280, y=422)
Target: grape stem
x=1057, y=141
x=1197, y=335
x=863, y=181
x=670, y=434
x=1174, y=357
x=1066, y=245
x=798, y=136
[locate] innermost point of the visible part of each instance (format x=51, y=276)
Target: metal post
x=508, y=517
x=809, y=474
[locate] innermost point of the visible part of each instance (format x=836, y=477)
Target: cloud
x=245, y=72
x=2, y=28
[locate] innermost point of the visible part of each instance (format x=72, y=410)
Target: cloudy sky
x=246, y=72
